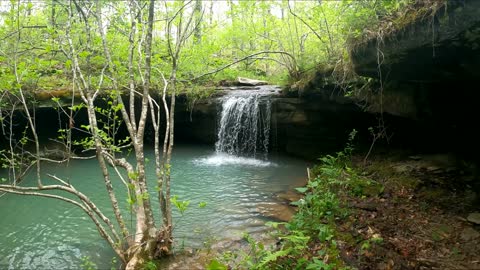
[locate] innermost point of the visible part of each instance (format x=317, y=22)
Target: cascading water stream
x=244, y=127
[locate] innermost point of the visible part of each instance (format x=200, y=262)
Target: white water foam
x=244, y=126
x=220, y=159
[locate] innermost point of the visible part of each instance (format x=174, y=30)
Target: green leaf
x=133, y=175
x=180, y=205
x=131, y=201
x=301, y=189
x=216, y=265
x=84, y=54
x=319, y=265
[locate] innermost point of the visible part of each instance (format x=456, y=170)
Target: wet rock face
x=311, y=127
x=197, y=122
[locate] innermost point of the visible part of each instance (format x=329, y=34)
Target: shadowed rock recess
x=430, y=75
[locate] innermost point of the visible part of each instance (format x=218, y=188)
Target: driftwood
x=250, y=82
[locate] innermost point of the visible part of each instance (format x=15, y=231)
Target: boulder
x=474, y=218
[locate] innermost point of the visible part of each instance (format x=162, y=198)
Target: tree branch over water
x=86, y=205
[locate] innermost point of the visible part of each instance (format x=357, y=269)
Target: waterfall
x=244, y=127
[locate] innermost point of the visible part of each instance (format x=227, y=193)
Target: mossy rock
x=49, y=94
x=366, y=187
x=346, y=237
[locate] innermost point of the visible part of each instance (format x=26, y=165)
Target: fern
x=272, y=257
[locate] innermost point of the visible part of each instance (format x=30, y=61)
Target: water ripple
x=40, y=233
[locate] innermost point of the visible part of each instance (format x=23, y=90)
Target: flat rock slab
x=474, y=218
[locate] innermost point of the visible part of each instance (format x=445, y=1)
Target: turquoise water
x=43, y=233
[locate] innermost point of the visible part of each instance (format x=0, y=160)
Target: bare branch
x=242, y=59
x=304, y=22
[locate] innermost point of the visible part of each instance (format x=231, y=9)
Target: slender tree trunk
x=145, y=237
x=211, y=13
x=198, y=28
x=23, y=101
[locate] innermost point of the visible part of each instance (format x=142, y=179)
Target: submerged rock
x=289, y=196
x=276, y=211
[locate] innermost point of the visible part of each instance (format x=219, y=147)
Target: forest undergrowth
x=393, y=212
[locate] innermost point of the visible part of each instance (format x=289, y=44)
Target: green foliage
x=319, y=265
x=202, y=204
x=108, y=121
x=133, y=175
x=86, y=143
x=312, y=32
x=143, y=196
x=87, y=264
x=149, y=265
x=259, y=257
x=367, y=244
x=17, y=161
x=216, y=265
x=113, y=263
x=166, y=169
x=308, y=241
x=182, y=206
